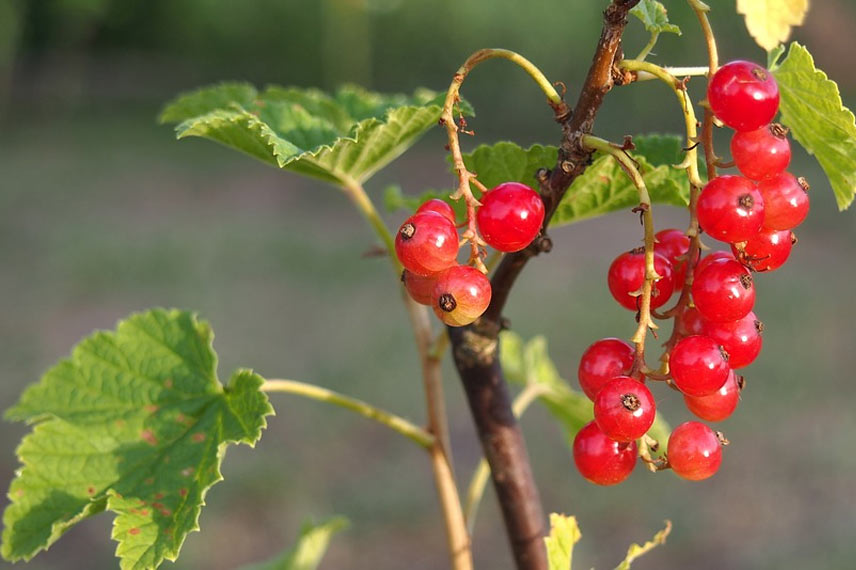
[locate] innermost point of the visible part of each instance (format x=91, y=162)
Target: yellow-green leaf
x=636, y=550
x=564, y=534
x=770, y=21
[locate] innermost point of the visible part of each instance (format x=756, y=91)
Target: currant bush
x=743, y=95
x=694, y=451
x=627, y=274
x=426, y=243
x=510, y=216
x=603, y=361
x=602, y=460
x=624, y=409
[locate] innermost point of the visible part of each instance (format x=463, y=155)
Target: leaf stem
x=392, y=421
x=692, y=71
x=357, y=194
x=649, y=46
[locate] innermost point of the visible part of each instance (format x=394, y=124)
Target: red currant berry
x=441, y=207
x=698, y=365
x=627, y=274
x=694, y=451
x=603, y=361
x=743, y=95
x=426, y=243
x=719, y=405
x=741, y=339
x=510, y=216
x=730, y=208
x=624, y=409
x=691, y=322
x=674, y=245
x=767, y=250
x=788, y=197
x=724, y=291
x=762, y=153
x=601, y=460
x=462, y=294
x=711, y=257
x=419, y=287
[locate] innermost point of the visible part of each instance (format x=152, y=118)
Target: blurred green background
x=102, y=213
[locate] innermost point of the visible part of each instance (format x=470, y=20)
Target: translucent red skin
x=789, y=203
x=767, y=250
x=419, y=287
x=471, y=290
x=614, y=419
x=432, y=248
x=672, y=244
x=602, y=361
x=743, y=95
x=694, y=451
x=691, y=322
x=717, y=406
x=697, y=365
x=720, y=213
x=741, y=339
x=627, y=273
x=711, y=257
x=438, y=206
x=760, y=154
x=601, y=460
x=719, y=292
x=510, y=216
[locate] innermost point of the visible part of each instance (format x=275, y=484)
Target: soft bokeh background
x=102, y=213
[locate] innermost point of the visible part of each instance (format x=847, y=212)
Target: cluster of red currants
x=427, y=244
x=718, y=332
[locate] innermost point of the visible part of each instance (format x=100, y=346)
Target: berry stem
x=392, y=421
x=655, y=35
x=701, y=9
x=692, y=71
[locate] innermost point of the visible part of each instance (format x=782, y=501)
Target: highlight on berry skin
x=510, y=216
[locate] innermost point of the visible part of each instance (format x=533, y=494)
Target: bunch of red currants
x=717, y=332
x=508, y=219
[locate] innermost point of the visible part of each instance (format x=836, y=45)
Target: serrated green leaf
x=343, y=138
x=770, y=21
x=564, y=534
x=811, y=107
x=135, y=422
x=507, y=162
x=654, y=17
x=636, y=550
x=310, y=548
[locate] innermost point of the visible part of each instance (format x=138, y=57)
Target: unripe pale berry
x=461, y=295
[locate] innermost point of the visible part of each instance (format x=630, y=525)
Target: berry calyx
x=426, y=243
x=762, y=153
x=510, y=216
x=767, y=250
x=439, y=206
x=419, y=287
x=461, y=294
x=724, y=290
x=788, y=198
x=627, y=274
x=694, y=451
x=601, y=460
x=624, y=409
x=603, y=361
x=719, y=405
x=698, y=365
x=743, y=95
x=730, y=208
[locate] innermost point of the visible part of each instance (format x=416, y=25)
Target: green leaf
x=135, y=422
x=309, y=550
x=770, y=21
x=653, y=15
x=811, y=107
x=341, y=138
x=506, y=162
x=564, y=534
x=635, y=550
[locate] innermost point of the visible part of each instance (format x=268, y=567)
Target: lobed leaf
x=654, y=17
x=770, y=21
x=564, y=534
x=310, y=548
x=134, y=422
x=636, y=550
x=811, y=107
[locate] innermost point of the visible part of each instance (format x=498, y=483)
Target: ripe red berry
x=441, y=207
x=762, y=153
x=419, y=287
x=426, y=243
x=624, y=409
x=673, y=245
x=461, y=295
x=741, y=339
x=711, y=257
x=719, y=405
x=788, y=197
x=694, y=451
x=601, y=460
x=698, y=365
x=724, y=291
x=767, y=250
x=603, y=361
x=510, y=216
x=743, y=95
x=730, y=208
x=627, y=274
x=691, y=322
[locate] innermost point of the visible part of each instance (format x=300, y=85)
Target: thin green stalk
x=649, y=46
x=392, y=421
x=357, y=194
x=692, y=71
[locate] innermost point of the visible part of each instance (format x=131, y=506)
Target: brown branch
x=475, y=348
